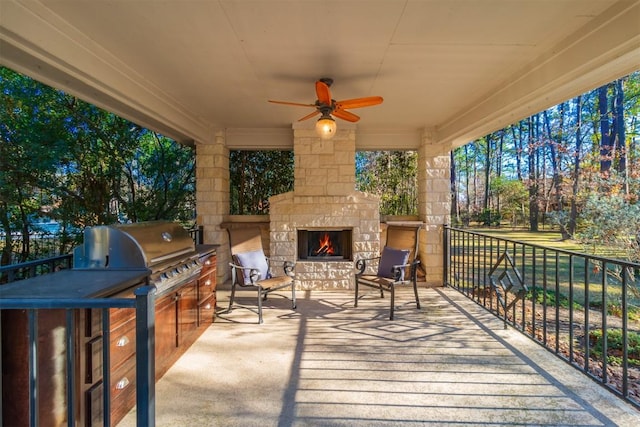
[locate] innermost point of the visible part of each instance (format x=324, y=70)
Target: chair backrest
x=245, y=239
x=404, y=237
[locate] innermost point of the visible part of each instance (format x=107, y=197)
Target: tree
x=158, y=181
x=392, y=176
x=257, y=175
x=73, y=163
x=534, y=162
x=32, y=139
x=513, y=195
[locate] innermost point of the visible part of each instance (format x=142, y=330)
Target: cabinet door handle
x=207, y=306
x=123, y=383
x=122, y=341
x=207, y=282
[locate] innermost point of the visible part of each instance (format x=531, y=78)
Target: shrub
x=614, y=346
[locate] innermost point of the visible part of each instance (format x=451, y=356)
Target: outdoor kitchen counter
x=74, y=284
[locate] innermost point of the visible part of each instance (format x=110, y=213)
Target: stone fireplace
x=324, y=200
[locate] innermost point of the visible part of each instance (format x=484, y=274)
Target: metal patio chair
x=250, y=268
x=397, y=264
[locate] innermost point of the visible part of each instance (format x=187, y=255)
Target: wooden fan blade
x=292, y=103
x=359, y=102
x=345, y=115
x=323, y=92
x=308, y=116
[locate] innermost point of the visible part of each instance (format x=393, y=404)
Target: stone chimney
x=324, y=197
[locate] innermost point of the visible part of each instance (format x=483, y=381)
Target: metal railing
x=197, y=234
x=144, y=305
x=11, y=273
x=583, y=308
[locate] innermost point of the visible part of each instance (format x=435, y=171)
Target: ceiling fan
x=329, y=108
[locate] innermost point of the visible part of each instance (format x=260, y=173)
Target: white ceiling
x=455, y=69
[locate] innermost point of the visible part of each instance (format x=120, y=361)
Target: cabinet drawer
x=206, y=286
x=123, y=390
x=93, y=360
x=94, y=414
x=118, y=316
x=93, y=322
x=208, y=264
x=206, y=311
x=122, y=343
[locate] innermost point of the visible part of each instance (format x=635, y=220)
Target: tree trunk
x=606, y=143
x=487, y=171
x=455, y=212
x=618, y=127
x=533, y=181
x=573, y=213
x=466, y=168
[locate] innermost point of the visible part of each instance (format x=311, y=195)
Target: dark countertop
x=74, y=284
x=82, y=283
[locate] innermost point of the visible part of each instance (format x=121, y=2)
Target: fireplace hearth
x=325, y=245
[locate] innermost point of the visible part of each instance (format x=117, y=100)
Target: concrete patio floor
x=450, y=363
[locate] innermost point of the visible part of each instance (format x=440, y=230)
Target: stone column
x=212, y=196
x=434, y=203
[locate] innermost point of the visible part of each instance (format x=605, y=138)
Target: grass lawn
x=571, y=276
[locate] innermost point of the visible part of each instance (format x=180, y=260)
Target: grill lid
x=139, y=245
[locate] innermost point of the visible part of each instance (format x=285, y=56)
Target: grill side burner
x=165, y=248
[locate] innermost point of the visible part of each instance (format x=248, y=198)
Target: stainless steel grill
x=165, y=248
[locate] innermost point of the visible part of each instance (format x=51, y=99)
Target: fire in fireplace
x=319, y=245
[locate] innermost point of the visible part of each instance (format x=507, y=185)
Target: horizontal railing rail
x=25, y=270
x=583, y=308
x=144, y=305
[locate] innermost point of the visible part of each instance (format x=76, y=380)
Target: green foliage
x=488, y=217
x=610, y=214
x=513, y=196
x=159, y=181
x=392, y=176
x=64, y=160
x=257, y=175
x=550, y=298
x=615, y=346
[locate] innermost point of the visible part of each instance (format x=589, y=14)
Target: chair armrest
x=254, y=274
x=289, y=267
x=396, y=270
x=361, y=264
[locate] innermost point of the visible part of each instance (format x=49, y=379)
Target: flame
x=326, y=247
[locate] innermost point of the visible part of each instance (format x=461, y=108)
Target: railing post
x=446, y=259
x=145, y=356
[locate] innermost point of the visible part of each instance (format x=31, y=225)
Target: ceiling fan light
x=326, y=127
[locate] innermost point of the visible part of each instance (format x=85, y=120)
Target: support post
x=145, y=356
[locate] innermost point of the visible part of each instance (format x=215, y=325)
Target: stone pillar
x=212, y=196
x=434, y=203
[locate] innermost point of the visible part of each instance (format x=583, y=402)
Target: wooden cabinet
x=181, y=315
x=207, y=291
x=166, y=335
x=122, y=364
x=187, y=313
x=15, y=368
